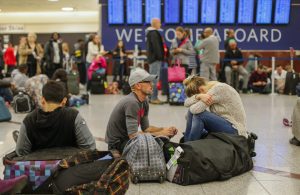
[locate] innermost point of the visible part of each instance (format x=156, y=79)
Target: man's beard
x=147, y=93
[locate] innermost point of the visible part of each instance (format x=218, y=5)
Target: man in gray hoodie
x=155, y=51
x=211, y=55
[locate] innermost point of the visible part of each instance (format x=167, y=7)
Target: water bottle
x=77, y=104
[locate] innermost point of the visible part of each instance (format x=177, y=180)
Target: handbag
x=176, y=73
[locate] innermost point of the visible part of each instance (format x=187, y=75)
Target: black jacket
x=51, y=129
x=229, y=54
x=155, y=47
x=49, y=53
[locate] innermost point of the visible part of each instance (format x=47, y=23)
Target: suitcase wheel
x=161, y=179
x=135, y=179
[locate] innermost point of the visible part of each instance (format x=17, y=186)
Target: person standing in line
x=53, y=54
x=94, y=49
x=66, y=56
x=211, y=56
x=119, y=55
x=79, y=52
x=31, y=53
x=199, y=53
x=193, y=63
x=182, y=49
x=155, y=51
x=9, y=59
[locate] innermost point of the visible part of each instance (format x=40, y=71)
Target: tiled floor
x=264, y=116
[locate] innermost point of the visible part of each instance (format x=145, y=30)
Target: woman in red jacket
x=9, y=59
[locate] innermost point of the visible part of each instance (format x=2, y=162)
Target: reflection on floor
x=275, y=159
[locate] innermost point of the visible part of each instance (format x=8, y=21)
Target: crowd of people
x=42, y=72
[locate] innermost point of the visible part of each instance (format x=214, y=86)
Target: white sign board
x=11, y=28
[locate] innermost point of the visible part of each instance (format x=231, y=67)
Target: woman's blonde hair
x=32, y=34
x=192, y=84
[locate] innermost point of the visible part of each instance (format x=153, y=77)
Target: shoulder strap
x=183, y=42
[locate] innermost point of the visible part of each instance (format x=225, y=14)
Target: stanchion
x=273, y=76
x=255, y=63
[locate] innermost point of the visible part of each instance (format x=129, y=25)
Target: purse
x=176, y=73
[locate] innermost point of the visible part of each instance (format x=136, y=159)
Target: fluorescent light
x=67, y=9
x=53, y=0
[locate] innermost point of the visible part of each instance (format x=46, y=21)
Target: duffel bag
x=219, y=156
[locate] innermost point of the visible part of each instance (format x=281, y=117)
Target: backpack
x=144, y=154
x=23, y=103
x=4, y=112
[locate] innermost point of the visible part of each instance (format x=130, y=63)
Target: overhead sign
x=11, y=28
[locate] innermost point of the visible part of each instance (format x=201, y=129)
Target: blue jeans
x=208, y=71
x=199, y=125
x=154, y=68
x=75, y=101
x=6, y=94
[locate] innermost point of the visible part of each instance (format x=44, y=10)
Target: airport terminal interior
x=264, y=81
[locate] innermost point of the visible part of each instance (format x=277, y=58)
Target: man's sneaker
x=15, y=135
x=294, y=141
x=157, y=101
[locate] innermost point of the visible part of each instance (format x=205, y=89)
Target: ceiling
x=46, y=6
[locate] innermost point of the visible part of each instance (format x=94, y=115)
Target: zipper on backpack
x=147, y=151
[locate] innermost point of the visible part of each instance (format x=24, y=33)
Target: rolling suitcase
x=98, y=83
x=176, y=94
x=164, y=79
x=291, y=81
x=73, y=82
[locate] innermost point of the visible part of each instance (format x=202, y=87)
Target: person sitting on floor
x=258, y=81
x=132, y=112
x=280, y=76
x=19, y=76
x=234, y=62
x=60, y=75
x=226, y=114
x=34, y=86
x=6, y=88
x=54, y=125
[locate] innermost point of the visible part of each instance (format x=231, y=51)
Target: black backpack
x=23, y=103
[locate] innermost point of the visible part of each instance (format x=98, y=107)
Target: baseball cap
x=140, y=75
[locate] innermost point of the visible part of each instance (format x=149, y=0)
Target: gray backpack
x=22, y=102
x=144, y=154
